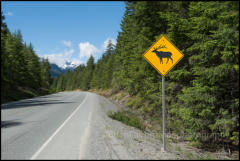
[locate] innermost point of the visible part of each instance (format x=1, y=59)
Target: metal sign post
x=155, y=55
x=163, y=113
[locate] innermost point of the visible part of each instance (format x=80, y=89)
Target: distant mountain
x=69, y=65
x=56, y=70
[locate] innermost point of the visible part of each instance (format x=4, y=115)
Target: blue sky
x=66, y=30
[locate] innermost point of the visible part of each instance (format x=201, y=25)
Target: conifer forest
x=202, y=90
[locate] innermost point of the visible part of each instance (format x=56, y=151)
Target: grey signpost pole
x=163, y=113
x=152, y=55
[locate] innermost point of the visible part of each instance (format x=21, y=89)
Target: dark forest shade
x=23, y=74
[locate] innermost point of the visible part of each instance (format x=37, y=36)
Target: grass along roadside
x=128, y=118
x=133, y=113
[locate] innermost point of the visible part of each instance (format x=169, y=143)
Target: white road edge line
x=84, y=138
x=45, y=144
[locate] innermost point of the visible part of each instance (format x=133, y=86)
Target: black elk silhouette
x=162, y=54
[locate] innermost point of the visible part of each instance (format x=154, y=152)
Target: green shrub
x=127, y=118
x=134, y=102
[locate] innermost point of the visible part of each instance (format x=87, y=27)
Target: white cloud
x=87, y=49
x=67, y=43
x=9, y=14
x=61, y=58
x=77, y=61
x=58, y=59
x=68, y=53
x=105, y=44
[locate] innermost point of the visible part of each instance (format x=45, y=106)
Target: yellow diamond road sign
x=163, y=55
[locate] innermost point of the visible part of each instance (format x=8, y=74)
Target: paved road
x=65, y=125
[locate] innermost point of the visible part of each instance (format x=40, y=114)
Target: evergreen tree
x=45, y=73
x=88, y=73
x=20, y=67
x=202, y=90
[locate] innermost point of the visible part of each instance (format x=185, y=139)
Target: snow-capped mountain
x=69, y=65
x=57, y=70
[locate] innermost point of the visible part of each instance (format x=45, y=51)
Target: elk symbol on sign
x=162, y=54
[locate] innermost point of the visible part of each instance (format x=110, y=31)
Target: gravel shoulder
x=76, y=125
x=145, y=145
x=111, y=139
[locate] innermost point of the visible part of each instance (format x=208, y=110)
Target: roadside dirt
x=147, y=145
x=131, y=143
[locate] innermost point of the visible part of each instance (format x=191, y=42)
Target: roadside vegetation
x=128, y=118
x=23, y=73
x=202, y=90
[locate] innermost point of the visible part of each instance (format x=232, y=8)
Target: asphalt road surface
x=72, y=125
x=56, y=126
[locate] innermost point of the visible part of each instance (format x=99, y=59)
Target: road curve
x=72, y=125
x=56, y=126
